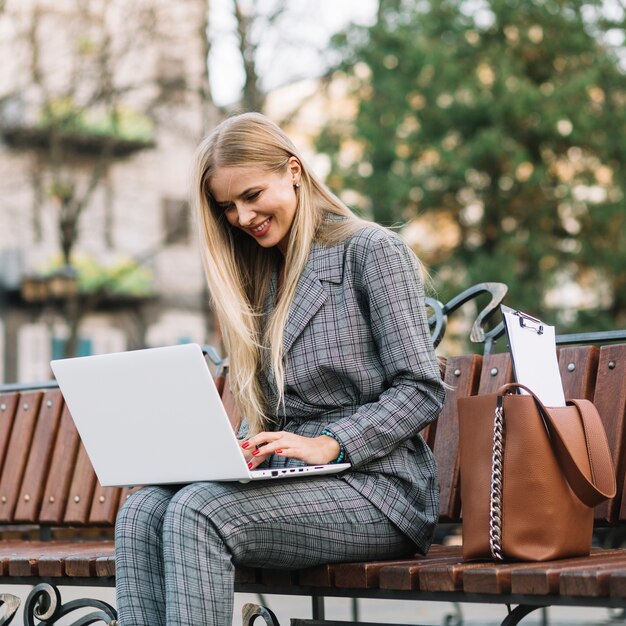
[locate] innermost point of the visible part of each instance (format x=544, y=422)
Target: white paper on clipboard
x=533, y=351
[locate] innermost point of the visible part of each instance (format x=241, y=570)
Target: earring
x=296, y=185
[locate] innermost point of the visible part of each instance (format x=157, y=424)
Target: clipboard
x=533, y=353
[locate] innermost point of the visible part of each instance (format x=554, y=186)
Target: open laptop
x=154, y=416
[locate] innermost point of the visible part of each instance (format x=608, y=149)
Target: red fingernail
x=245, y=444
x=255, y=452
x=279, y=451
x=249, y=465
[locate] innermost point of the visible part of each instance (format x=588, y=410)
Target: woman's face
x=261, y=203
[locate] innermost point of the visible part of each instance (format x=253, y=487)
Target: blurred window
x=59, y=347
x=172, y=79
x=34, y=352
x=176, y=221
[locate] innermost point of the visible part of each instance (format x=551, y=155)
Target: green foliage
x=505, y=118
x=123, y=277
x=118, y=123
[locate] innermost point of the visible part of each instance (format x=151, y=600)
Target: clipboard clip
x=529, y=322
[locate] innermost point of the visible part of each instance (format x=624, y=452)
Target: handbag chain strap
x=495, y=495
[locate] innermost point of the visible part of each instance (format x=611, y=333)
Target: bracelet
x=342, y=450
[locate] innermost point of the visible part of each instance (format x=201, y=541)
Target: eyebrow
x=241, y=195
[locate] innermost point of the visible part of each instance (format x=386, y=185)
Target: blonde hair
x=239, y=270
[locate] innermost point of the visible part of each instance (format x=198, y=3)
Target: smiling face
x=261, y=203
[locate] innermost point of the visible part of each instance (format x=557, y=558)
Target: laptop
x=154, y=416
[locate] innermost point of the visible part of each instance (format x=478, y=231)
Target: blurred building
x=101, y=101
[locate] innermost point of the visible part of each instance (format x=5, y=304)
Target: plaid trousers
x=176, y=548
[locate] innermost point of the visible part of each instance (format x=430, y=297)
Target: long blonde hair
x=239, y=270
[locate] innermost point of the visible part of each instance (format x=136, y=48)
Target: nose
x=245, y=216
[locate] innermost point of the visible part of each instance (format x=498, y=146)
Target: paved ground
x=398, y=612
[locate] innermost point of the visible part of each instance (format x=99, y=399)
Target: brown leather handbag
x=530, y=476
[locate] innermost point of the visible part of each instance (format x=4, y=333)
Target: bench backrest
x=46, y=477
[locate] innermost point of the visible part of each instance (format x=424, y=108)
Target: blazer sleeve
x=393, y=294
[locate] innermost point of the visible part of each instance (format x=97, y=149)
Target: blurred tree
x=247, y=16
x=264, y=42
x=500, y=121
x=253, y=26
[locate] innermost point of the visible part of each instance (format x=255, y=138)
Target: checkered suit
x=358, y=361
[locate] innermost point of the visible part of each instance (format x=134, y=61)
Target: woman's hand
x=311, y=450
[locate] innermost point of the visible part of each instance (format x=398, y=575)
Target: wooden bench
x=56, y=521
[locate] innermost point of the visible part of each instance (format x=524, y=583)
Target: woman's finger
x=286, y=444
x=261, y=439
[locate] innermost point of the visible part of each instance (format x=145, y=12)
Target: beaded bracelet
x=342, y=451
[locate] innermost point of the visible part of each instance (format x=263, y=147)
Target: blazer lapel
x=324, y=264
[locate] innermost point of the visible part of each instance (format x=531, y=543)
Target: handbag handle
x=602, y=484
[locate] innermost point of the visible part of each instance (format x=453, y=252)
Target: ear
x=295, y=169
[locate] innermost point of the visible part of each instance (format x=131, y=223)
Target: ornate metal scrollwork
x=438, y=318
x=44, y=605
x=10, y=603
x=517, y=614
x=251, y=611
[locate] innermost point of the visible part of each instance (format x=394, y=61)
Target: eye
x=224, y=207
x=253, y=196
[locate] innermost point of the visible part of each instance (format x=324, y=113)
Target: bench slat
x=81, y=565
x=610, y=400
x=544, y=579
x=17, y=547
x=363, y=575
x=105, y=566
x=461, y=375
x=405, y=577
x=318, y=576
x=31, y=493
x=496, y=579
x=578, y=367
x=56, y=563
x=81, y=490
x=8, y=406
x=82, y=562
x=47, y=558
x=360, y=575
x=445, y=577
x=27, y=557
x=105, y=504
x=51, y=566
x=591, y=582
x=617, y=584
x=366, y=575
x=18, y=452
x=61, y=471
x=496, y=370
x=22, y=566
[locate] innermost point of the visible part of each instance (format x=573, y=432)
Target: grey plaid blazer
x=359, y=360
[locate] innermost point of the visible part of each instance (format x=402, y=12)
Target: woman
x=331, y=360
